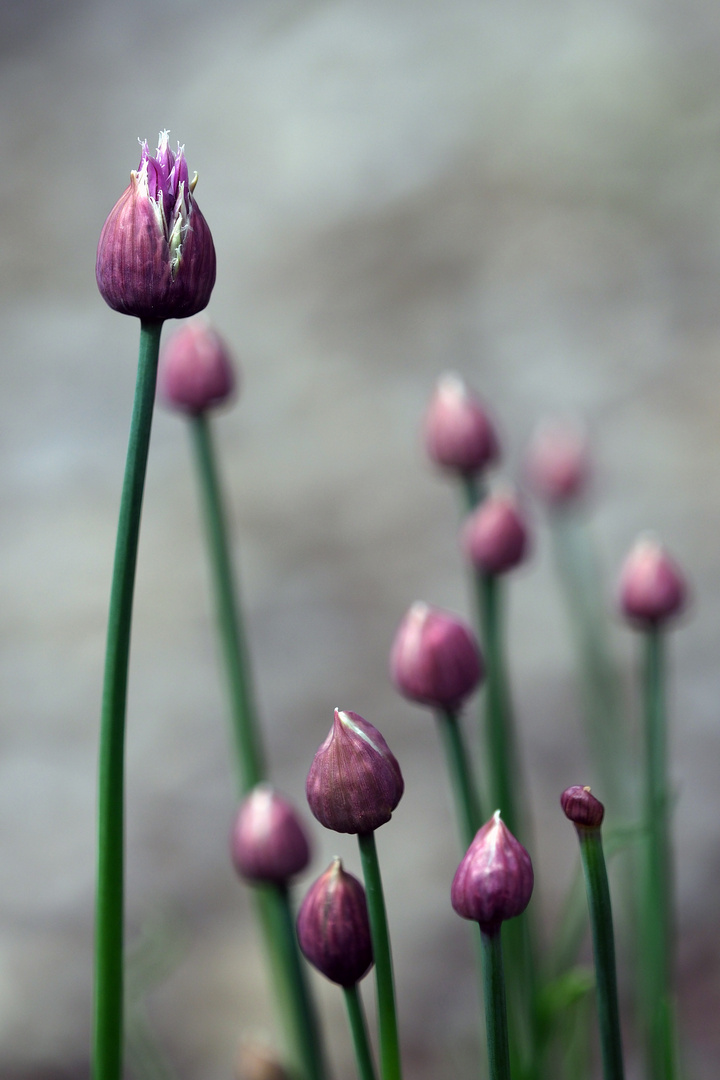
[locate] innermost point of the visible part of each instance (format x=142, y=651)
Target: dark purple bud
x=558, y=463
x=268, y=842
x=196, y=371
x=495, y=536
x=435, y=659
x=155, y=257
x=459, y=434
x=354, y=783
x=582, y=808
x=333, y=926
x=494, y=882
x=652, y=587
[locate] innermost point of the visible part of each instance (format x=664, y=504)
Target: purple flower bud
x=155, y=257
x=558, y=463
x=435, y=659
x=495, y=537
x=582, y=808
x=354, y=783
x=459, y=435
x=333, y=926
x=652, y=587
x=268, y=842
x=494, y=881
x=258, y=1063
x=196, y=371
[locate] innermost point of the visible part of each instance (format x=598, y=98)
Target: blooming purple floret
x=156, y=257
x=494, y=881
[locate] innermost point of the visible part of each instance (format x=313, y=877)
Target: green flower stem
x=387, y=1017
x=656, y=922
x=234, y=646
x=495, y=1007
x=467, y=803
x=472, y=492
x=294, y=1002
x=601, y=922
x=358, y=1027
x=108, y=1023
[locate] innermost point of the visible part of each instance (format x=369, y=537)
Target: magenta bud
x=558, y=463
x=459, y=434
x=582, y=808
x=354, y=783
x=652, y=587
x=155, y=257
x=494, y=881
x=495, y=536
x=195, y=371
x=333, y=927
x=435, y=659
x=268, y=842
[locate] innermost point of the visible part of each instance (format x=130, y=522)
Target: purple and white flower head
x=156, y=257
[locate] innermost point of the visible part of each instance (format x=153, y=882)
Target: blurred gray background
x=526, y=193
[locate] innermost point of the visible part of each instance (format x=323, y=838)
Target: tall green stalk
x=109, y=928
x=387, y=1017
x=272, y=902
x=358, y=1027
x=465, y=794
x=495, y=1006
x=656, y=919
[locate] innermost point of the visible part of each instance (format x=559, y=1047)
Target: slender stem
x=356, y=1016
x=235, y=652
x=495, y=1007
x=601, y=922
x=387, y=1017
x=108, y=1024
x=467, y=804
x=472, y=492
x=656, y=911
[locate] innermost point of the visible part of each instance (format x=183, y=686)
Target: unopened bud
x=459, y=435
x=582, y=808
x=195, y=371
x=494, y=881
x=354, y=783
x=333, y=926
x=652, y=587
x=495, y=536
x=435, y=659
x=268, y=842
x=558, y=463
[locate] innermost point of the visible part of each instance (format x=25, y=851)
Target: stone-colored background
x=528, y=193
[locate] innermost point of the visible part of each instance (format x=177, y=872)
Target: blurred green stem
x=358, y=1027
x=109, y=928
x=495, y=1007
x=467, y=803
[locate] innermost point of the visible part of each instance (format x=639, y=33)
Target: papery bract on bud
x=459, y=434
x=652, y=586
x=494, y=881
x=354, y=783
x=196, y=370
x=495, y=536
x=581, y=807
x=333, y=926
x=558, y=463
x=268, y=842
x=156, y=257
x=435, y=659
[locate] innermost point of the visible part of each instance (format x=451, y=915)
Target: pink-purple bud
x=495, y=536
x=196, y=370
x=155, y=257
x=494, y=881
x=459, y=434
x=354, y=783
x=652, y=587
x=434, y=658
x=558, y=463
x=582, y=808
x=268, y=842
x=333, y=926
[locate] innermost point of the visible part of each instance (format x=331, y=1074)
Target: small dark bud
x=268, y=842
x=333, y=926
x=582, y=808
x=494, y=881
x=459, y=435
x=495, y=536
x=354, y=783
x=435, y=659
x=652, y=586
